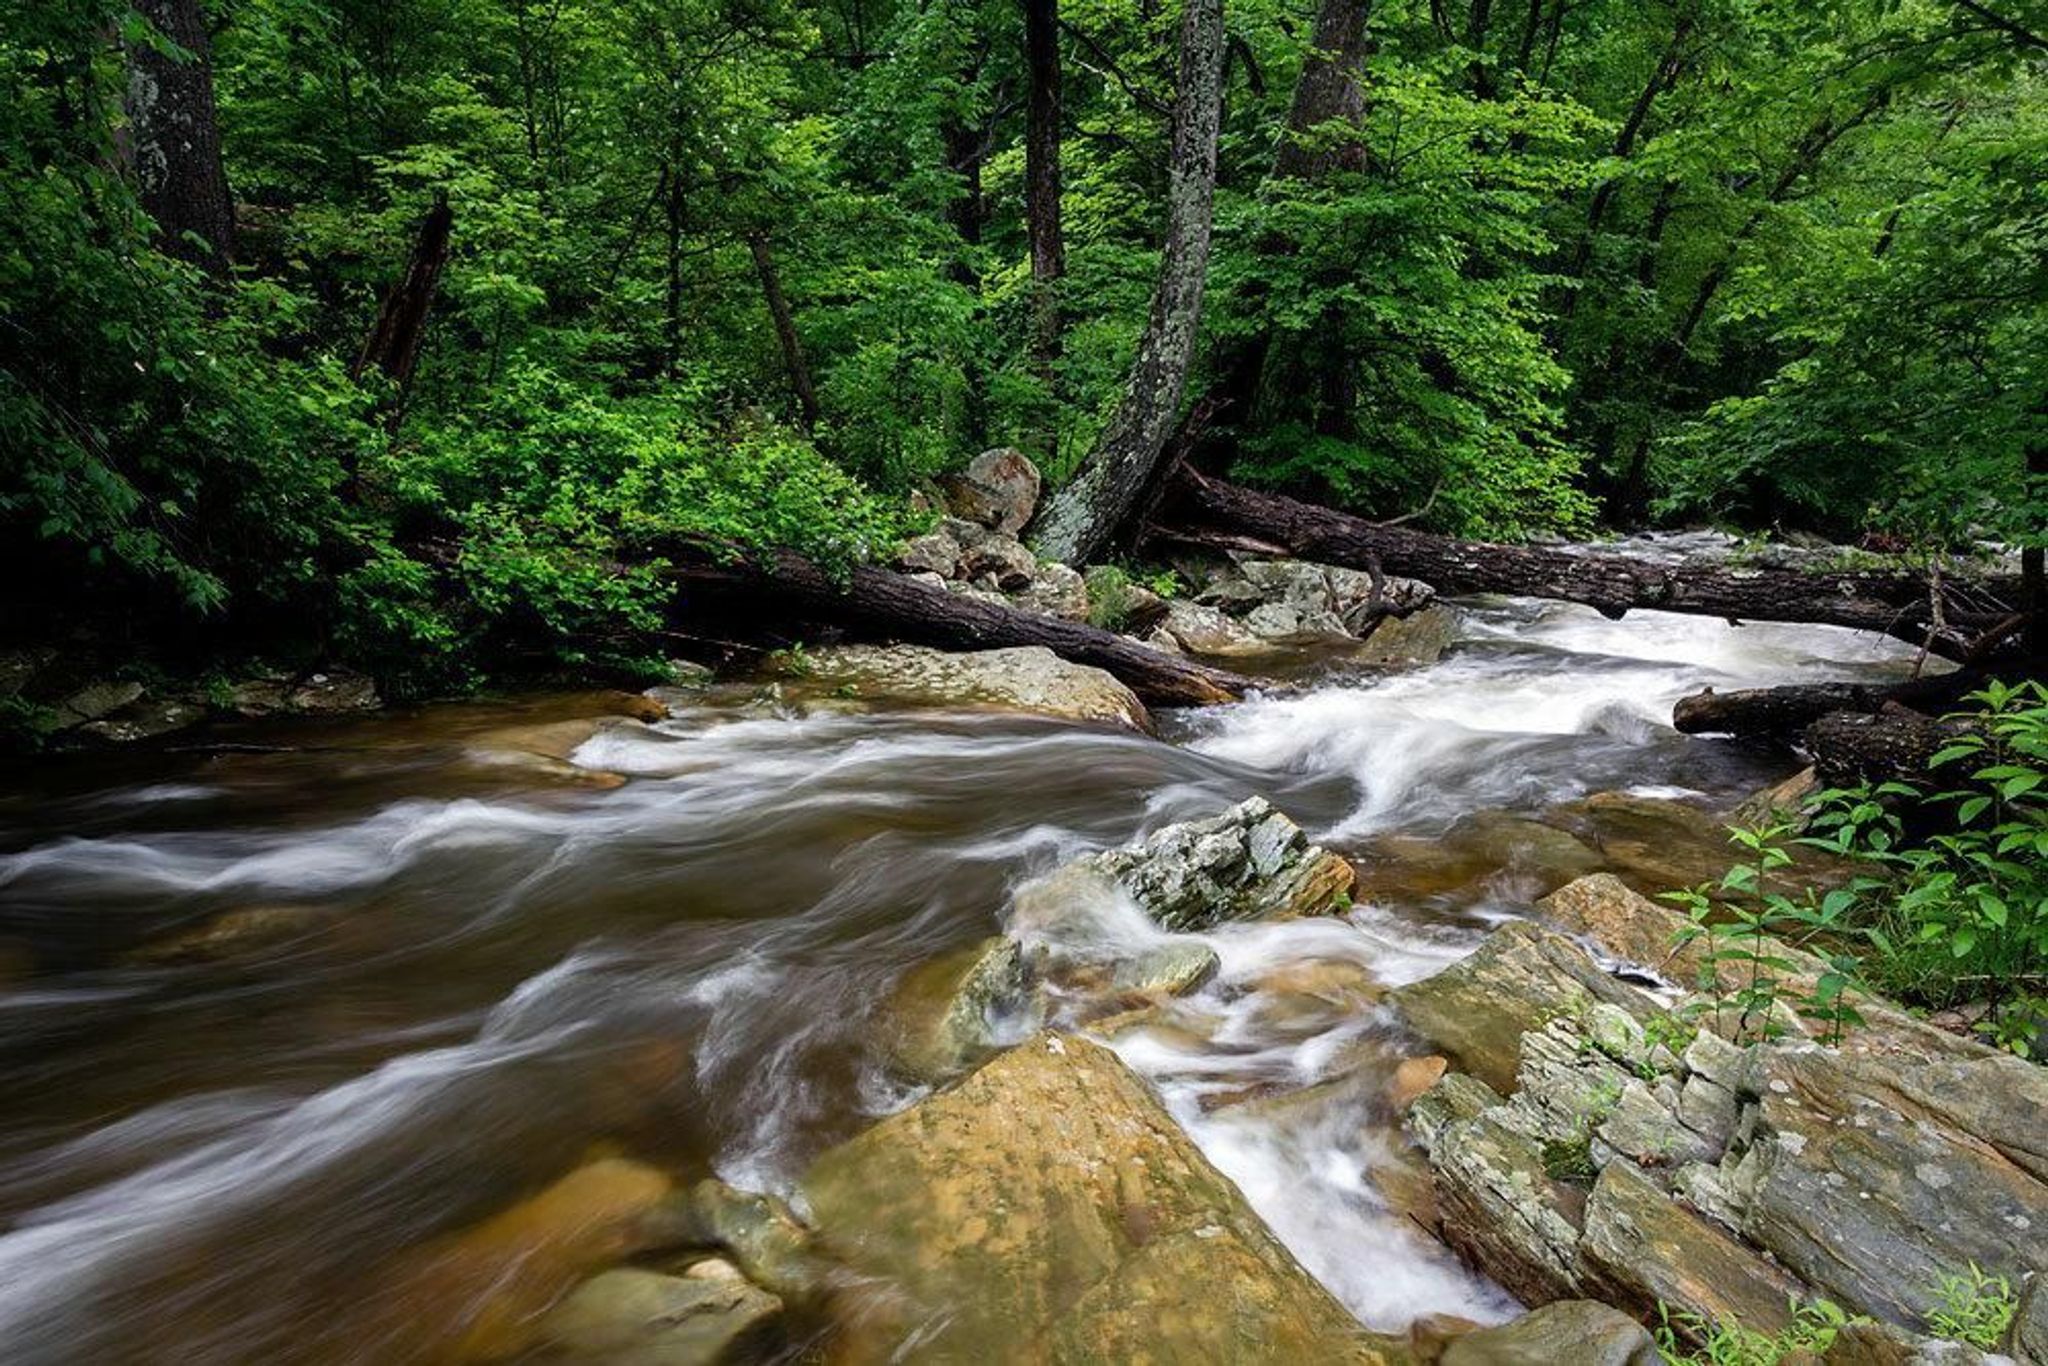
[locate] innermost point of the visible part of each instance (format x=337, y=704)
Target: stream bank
x=492, y=945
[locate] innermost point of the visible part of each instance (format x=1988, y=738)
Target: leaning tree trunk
x=400, y=331
x=1079, y=519
x=793, y=362
x=1211, y=511
x=174, y=138
x=1785, y=711
x=890, y=606
x=1042, y=178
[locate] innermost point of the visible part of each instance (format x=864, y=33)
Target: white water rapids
x=206, y=1160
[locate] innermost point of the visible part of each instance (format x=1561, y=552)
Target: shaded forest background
x=753, y=271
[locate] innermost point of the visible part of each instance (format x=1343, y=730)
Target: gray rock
x=998, y=489
x=633, y=1317
x=1056, y=591
x=1025, y=678
x=1003, y=560
x=1500, y=1208
x=1411, y=641
x=1642, y=1249
x=1171, y=970
x=1876, y=1176
x=958, y=1010
x=145, y=719
x=1203, y=630
x=932, y=553
x=1520, y=978
x=332, y=693
x=1250, y=863
x=1644, y=1127
x=95, y=700
x=1869, y=1343
x=1580, y=1332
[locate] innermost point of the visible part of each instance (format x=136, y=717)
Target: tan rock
x=1024, y=679
x=1048, y=1210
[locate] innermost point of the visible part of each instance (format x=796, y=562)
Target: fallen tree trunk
x=883, y=605
x=1785, y=711
x=1891, y=746
x=1897, y=604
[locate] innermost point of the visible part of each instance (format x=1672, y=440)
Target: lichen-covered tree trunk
x=174, y=138
x=1079, y=519
x=1042, y=176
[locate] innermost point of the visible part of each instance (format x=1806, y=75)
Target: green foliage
x=1973, y=1307
x=1961, y=914
x=1725, y=1342
x=1799, y=279
x=1746, y=922
x=1109, y=597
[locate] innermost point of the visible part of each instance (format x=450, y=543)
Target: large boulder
x=1873, y=1174
x=1250, y=863
x=1047, y=1209
x=998, y=489
x=1480, y=1009
x=1024, y=678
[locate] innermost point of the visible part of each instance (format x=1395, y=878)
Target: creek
x=485, y=970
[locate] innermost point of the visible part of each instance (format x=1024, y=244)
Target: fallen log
x=1895, y=603
x=878, y=604
x=1785, y=711
x=1891, y=746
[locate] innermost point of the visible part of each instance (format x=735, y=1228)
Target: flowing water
x=483, y=968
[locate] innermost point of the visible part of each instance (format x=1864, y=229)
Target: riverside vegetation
x=1138, y=845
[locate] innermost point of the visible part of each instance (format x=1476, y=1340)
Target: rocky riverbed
x=892, y=1004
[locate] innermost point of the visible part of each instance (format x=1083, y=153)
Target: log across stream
x=287, y=1034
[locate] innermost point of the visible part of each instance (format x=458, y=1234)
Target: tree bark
x=1328, y=90
x=1891, y=746
x=1785, y=711
x=879, y=604
x=1896, y=604
x=1078, y=520
x=1042, y=177
x=394, y=343
x=174, y=139
x=785, y=330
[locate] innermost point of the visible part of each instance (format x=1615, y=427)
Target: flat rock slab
x=1047, y=1209
x=1027, y=678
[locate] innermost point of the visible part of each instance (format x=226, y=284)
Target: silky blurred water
x=495, y=967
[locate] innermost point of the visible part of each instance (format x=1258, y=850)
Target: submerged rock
x=952, y=1013
x=1048, y=1209
x=1025, y=678
x=238, y=933
x=487, y=1285
x=633, y=1317
x=1579, y=1332
x=1250, y=863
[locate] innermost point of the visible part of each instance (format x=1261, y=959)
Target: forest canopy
x=404, y=329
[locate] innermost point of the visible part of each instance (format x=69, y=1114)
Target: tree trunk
x=394, y=343
x=785, y=331
x=1042, y=179
x=1893, y=603
x=1891, y=746
x=1785, y=711
x=1329, y=89
x=1080, y=518
x=174, y=139
x=879, y=604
